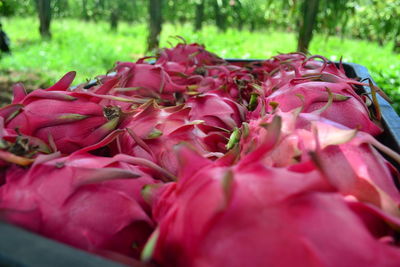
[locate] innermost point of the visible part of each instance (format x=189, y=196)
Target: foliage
x=374, y=20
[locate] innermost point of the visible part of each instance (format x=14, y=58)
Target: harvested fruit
x=190, y=160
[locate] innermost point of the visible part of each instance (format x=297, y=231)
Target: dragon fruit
x=196, y=161
x=216, y=111
x=258, y=212
x=107, y=94
x=69, y=120
x=155, y=131
x=227, y=81
x=346, y=157
x=19, y=149
x=298, y=79
x=91, y=202
x=147, y=81
x=189, y=55
x=346, y=108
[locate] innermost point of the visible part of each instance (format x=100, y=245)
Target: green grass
x=91, y=49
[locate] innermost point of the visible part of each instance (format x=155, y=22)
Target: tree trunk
x=396, y=46
x=344, y=28
x=44, y=11
x=252, y=25
x=237, y=8
x=131, y=18
x=84, y=10
x=155, y=24
x=217, y=13
x=307, y=23
x=198, y=23
x=114, y=19
x=220, y=15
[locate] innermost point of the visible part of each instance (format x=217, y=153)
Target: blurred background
x=40, y=40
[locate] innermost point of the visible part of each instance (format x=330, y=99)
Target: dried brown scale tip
x=200, y=71
x=112, y=112
x=21, y=146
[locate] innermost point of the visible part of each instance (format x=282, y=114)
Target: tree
x=155, y=24
x=308, y=18
x=220, y=11
x=396, y=46
x=44, y=11
x=85, y=10
x=114, y=14
x=237, y=9
x=198, y=22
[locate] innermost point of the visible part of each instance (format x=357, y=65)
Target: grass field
x=91, y=49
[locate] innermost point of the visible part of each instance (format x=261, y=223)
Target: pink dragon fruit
x=346, y=157
x=346, y=108
x=259, y=216
x=285, y=68
x=107, y=94
x=68, y=120
x=16, y=148
x=227, y=81
x=216, y=111
x=357, y=169
x=181, y=75
x=146, y=80
x=188, y=55
x=154, y=132
x=191, y=159
x=263, y=70
x=90, y=202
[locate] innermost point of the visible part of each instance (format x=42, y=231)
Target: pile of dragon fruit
x=190, y=160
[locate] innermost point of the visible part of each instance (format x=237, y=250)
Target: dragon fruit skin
x=270, y=163
x=162, y=80
x=347, y=107
x=71, y=119
x=356, y=168
x=260, y=216
x=107, y=94
x=89, y=202
x=216, y=111
x=359, y=170
x=227, y=81
x=155, y=131
x=143, y=80
x=181, y=75
x=282, y=68
x=189, y=55
x=19, y=149
x=347, y=158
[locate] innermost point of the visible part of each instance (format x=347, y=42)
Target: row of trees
x=374, y=20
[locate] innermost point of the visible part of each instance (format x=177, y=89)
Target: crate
x=19, y=247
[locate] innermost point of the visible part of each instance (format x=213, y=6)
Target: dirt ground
x=8, y=78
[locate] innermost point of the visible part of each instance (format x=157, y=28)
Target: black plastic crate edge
x=390, y=118
x=19, y=247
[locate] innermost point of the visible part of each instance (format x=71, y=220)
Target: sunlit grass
x=92, y=49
